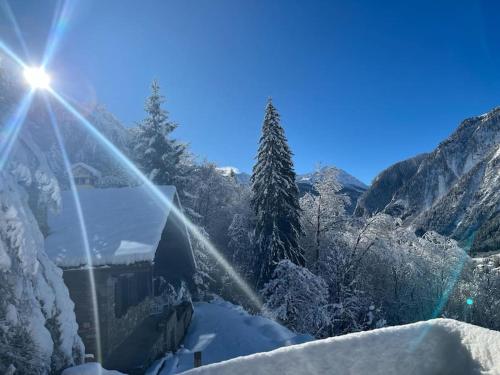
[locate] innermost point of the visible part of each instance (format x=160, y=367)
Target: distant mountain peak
x=343, y=178
x=226, y=171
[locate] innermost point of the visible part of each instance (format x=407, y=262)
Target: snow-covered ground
x=222, y=331
x=438, y=346
x=89, y=369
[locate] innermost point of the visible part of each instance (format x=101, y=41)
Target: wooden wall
x=114, y=325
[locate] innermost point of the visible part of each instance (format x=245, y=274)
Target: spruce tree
x=275, y=200
x=157, y=154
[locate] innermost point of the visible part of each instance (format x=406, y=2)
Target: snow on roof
x=92, y=170
x=124, y=226
x=438, y=346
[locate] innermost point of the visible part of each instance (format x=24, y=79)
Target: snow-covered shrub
x=323, y=215
x=172, y=296
x=476, y=297
x=297, y=298
x=206, y=268
x=411, y=277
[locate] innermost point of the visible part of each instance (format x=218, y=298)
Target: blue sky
x=359, y=84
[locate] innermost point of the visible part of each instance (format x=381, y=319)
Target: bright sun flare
x=37, y=78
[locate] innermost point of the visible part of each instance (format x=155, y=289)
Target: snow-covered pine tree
x=157, y=154
x=275, y=200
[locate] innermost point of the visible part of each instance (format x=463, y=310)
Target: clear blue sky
x=359, y=84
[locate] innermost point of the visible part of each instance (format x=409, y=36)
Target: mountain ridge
x=452, y=190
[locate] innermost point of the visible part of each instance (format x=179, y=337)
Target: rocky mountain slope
x=453, y=190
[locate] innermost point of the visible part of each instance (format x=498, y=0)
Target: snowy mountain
x=351, y=186
x=453, y=190
x=439, y=346
x=242, y=177
x=342, y=177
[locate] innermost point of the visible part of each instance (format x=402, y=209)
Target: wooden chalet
x=136, y=248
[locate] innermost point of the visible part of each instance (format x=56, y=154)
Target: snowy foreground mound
x=438, y=346
x=89, y=369
x=222, y=331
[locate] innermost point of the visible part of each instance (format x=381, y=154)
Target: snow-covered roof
x=124, y=226
x=438, y=346
x=92, y=170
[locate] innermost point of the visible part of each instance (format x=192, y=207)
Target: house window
x=84, y=181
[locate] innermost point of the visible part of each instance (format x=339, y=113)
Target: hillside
x=452, y=190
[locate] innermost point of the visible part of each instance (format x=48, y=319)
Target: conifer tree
x=275, y=200
x=157, y=154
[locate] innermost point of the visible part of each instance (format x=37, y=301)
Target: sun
x=37, y=77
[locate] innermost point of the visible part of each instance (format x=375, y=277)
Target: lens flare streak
x=162, y=199
x=59, y=25
x=83, y=228
x=4, y=5
x=10, y=132
x=12, y=55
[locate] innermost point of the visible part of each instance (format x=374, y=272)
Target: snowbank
x=221, y=331
x=438, y=346
x=89, y=369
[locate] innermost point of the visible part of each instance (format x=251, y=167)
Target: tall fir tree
x=275, y=200
x=157, y=154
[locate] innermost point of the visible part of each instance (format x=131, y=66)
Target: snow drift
x=223, y=331
x=90, y=369
x=439, y=346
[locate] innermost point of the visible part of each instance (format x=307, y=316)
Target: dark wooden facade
x=123, y=301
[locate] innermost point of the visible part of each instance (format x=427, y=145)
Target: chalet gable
x=85, y=175
x=124, y=226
